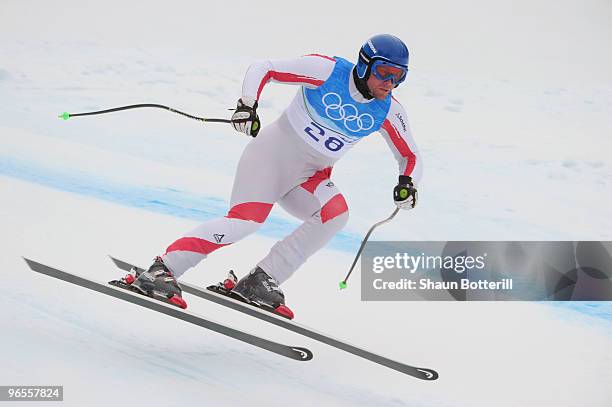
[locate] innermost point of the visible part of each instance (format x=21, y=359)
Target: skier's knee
x=252, y=211
x=239, y=229
x=335, y=211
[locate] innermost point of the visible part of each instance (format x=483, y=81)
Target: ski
x=292, y=352
x=420, y=373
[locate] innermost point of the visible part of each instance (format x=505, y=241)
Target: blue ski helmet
x=381, y=47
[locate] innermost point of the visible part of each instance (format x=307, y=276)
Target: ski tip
x=427, y=374
x=64, y=116
x=302, y=354
x=342, y=285
x=31, y=263
x=120, y=264
x=34, y=265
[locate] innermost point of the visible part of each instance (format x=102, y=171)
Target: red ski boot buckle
x=229, y=284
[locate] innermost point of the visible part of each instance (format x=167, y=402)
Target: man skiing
x=290, y=162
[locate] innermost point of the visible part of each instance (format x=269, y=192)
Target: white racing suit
x=290, y=163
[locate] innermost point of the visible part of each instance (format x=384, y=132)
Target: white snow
x=510, y=103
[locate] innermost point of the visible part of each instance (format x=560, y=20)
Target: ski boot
x=157, y=282
x=262, y=290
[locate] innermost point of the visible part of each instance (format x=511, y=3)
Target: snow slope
x=510, y=104
x=104, y=351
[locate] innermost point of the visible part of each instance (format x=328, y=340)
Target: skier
x=290, y=162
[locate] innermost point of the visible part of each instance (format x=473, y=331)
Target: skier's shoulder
x=396, y=104
x=397, y=116
x=320, y=61
x=396, y=109
x=320, y=58
x=317, y=65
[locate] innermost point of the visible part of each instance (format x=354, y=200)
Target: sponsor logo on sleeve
x=401, y=120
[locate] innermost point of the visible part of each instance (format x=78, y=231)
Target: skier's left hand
x=405, y=194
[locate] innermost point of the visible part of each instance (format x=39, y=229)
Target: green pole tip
x=64, y=116
x=342, y=285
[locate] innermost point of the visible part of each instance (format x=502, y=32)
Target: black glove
x=246, y=118
x=405, y=194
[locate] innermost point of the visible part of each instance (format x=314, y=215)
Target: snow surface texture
x=510, y=103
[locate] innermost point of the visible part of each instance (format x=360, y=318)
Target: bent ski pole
x=363, y=243
x=67, y=115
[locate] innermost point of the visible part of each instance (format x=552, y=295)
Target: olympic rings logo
x=335, y=110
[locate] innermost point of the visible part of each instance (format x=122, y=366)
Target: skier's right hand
x=245, y=118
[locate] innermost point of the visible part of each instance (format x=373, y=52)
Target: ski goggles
x=386, y=71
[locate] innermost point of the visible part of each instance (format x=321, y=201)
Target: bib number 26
x=317, y=133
